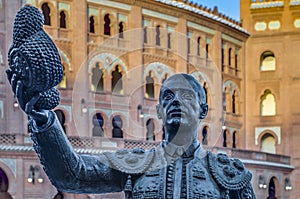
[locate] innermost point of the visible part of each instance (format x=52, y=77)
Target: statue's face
x=179, y=103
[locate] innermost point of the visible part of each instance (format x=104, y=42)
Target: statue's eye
x=168, y=96
x=187, y=95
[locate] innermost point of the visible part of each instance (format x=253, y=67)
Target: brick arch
x=124, y=122
x=105, y=118
x=10, y=174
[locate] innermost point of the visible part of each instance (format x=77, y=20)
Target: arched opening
x=225, y=136
x=116, y=81
x=236, y=62
x=63, y=83
x=165, y=78
x=4, y=186
x=98, y=122
x=117, y=124
x=46, y=12
x=198, y=45
x=204, y=135
x=234, y=102
x=169, y=40
x=205, y=87
x=107, y=25
x=189, y=42
x=157, y=35
x=268, y=143
x=97, y=78
x=61, y=118
x=145, y=34
x=207, y=48
x=150, y=86
x=229, y=56
x=59, y=195
x=272, y=189
x=267, y=104
x=227, y=100
x=92, y=24
x=121, y=30
x=150, y=130
x=267, y=61
x=223, y=57
x=234, y=139
x=62, y=20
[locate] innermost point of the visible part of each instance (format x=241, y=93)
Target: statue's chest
x=182, y=179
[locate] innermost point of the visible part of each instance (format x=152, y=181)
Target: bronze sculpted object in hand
x=179, y=168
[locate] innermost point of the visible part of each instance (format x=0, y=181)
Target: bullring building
x=117, y=53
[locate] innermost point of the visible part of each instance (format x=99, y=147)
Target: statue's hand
x=27, y=105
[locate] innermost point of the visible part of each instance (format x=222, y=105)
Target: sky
x=230, y=8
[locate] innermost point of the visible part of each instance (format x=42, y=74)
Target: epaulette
x=134, y=161
x=229, y=173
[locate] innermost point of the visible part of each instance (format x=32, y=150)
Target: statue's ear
x=203, y=111
x=158, y=111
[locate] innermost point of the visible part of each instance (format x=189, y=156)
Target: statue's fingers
x=29, y=76
x=14, y=81
x=30, y=105
x=9, y=75
x=19, y=93
x=39, y=117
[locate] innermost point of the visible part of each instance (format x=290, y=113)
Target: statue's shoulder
x=131, y=161
x=229, y=173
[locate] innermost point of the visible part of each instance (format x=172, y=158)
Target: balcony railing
x=100, y=143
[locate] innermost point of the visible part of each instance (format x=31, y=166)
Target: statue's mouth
x=174, y=113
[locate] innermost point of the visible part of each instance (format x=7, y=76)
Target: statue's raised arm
x=34, y=70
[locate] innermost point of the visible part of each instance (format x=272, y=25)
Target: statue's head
x=182, y=105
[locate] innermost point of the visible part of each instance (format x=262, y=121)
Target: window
x=207, y=93
x=169, y=40
x=150, y=130
x=207, y=50
x=225, y=136
x=117, y=124
x=62, y=20
x=97, y=79
x=227, y=100
x=267, y=61
x=236, y=62
x=63, y=83
x=229, y=56
x=107, y=25
x=158, y=35
x=222, y=58
x=268, y=143
x=198, y=45
x=46, y=13
x=272, y=188
x=116, y=81
x=164, y=79
x=267, y=104
x=233, y=106
x=121, y=29
x=61, y=118
x=150, y=86
x=234, y=139
x=98, y=125
x=204, y=135
x=145, y=35
x=189, y=42
x=92, y=24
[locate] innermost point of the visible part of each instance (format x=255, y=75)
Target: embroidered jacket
x=166, y=172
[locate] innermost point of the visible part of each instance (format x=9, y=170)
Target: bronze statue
x=179, y=168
